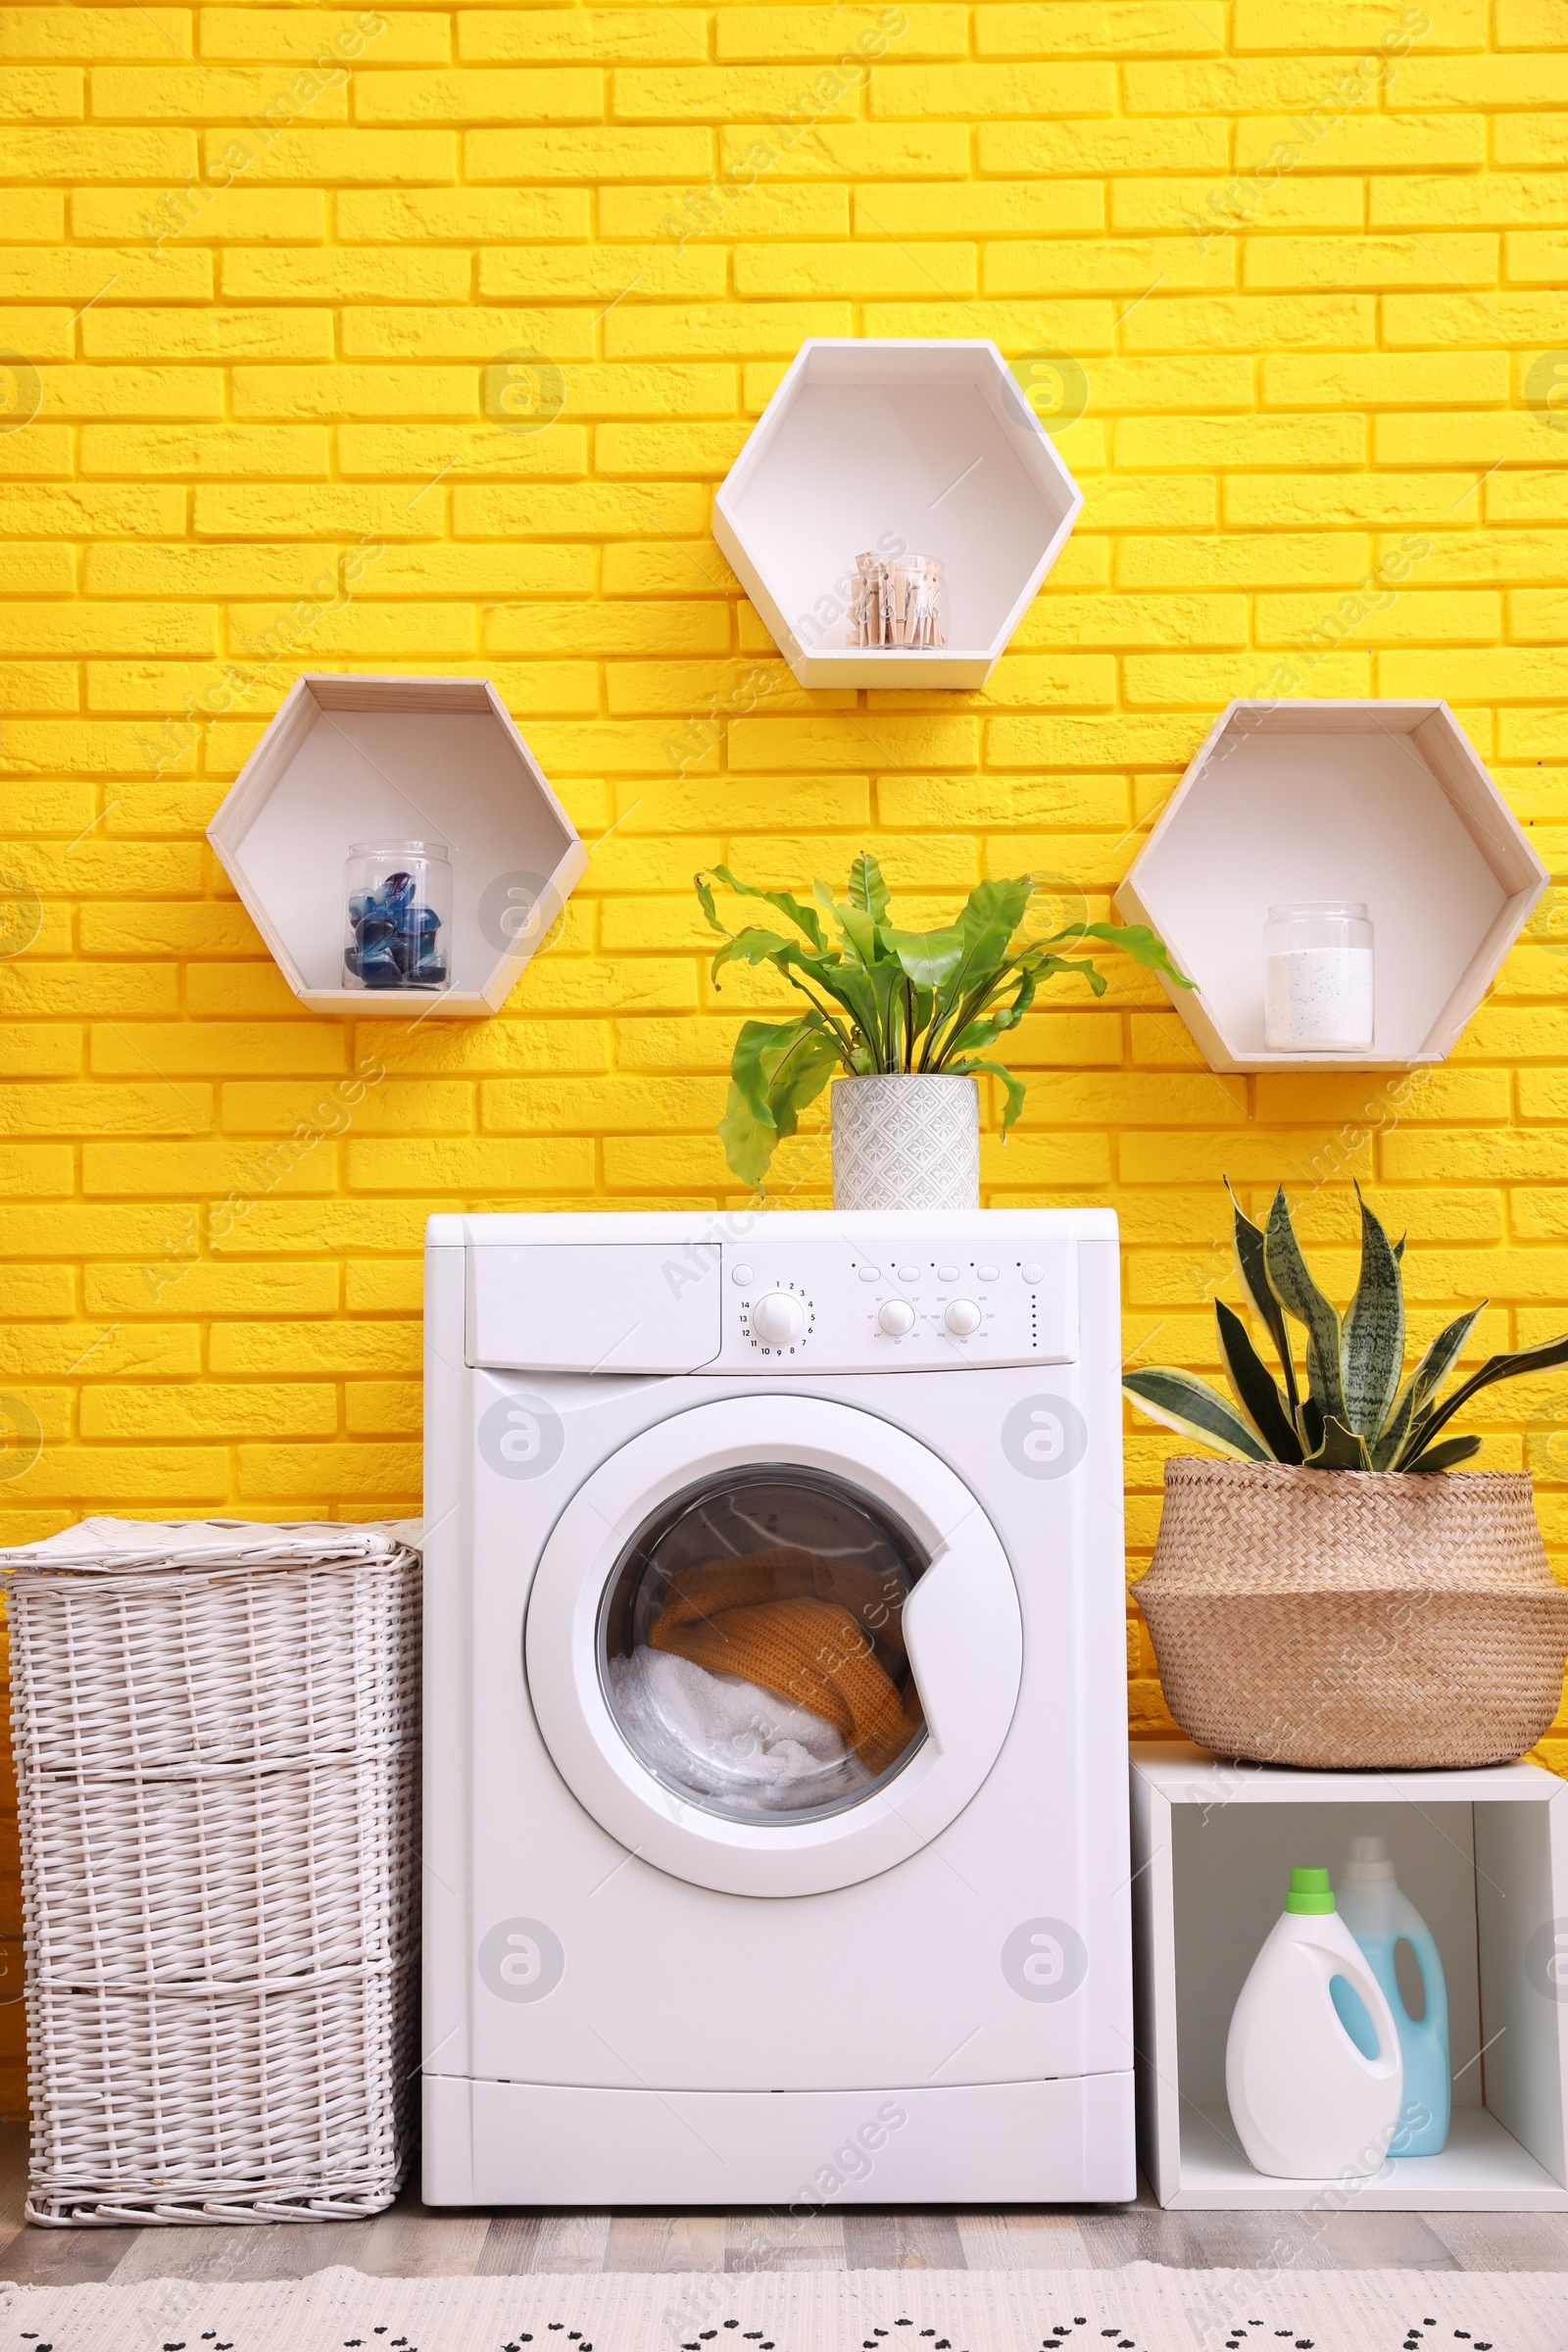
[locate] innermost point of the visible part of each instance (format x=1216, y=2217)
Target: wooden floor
x=413, y=2240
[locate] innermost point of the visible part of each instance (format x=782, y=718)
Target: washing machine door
x=773, y=1646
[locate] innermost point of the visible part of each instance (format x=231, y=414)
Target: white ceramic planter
x=905, y=1141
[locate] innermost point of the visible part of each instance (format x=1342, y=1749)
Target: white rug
x=1144, y=2308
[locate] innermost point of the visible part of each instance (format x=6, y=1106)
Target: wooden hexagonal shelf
x=925, y=445
x=350, y=758
x=1380, y=802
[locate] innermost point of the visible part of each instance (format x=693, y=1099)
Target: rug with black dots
x=1143, y=2308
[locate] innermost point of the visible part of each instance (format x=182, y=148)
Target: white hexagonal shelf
x=1381, y=801
x=353, y=758
x=868, y=443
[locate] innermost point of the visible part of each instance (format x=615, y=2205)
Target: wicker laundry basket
x=217, y=1728
x=1353, y=1620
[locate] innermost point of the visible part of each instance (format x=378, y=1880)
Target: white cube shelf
x=356, y=759
x=867, y=445
x=1483, y=1857
x=1381, y=801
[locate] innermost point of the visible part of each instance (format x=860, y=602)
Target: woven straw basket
x=216, y=1740
x=1354, y=1620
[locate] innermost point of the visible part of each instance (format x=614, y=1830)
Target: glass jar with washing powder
x=1317, y=978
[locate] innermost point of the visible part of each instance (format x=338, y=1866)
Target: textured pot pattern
x=1353, y=1620
x=905, y=1141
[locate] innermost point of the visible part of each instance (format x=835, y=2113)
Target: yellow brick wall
x=258, y=260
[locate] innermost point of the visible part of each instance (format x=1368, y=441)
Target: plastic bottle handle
x=1357, y=1975
x=1425, y=2027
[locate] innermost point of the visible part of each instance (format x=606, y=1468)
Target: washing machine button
x=908, y=1273
x=895, y=1316
x=1033, y=1273
x=962, y=1317
x=742, y=1275
x=870, y=1273
x=946, y=1273
x=778, y=1319
x=987, y=1273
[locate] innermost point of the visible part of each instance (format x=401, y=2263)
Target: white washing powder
x=1317, y=997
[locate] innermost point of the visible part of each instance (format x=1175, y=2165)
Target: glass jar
x=1317, y=978
x=397, y=916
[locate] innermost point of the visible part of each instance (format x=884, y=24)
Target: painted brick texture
x=262, y=272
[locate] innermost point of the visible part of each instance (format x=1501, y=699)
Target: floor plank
x=295, y=2249
x=208, y=2255
x=65, y=2257
x=1022, y=2241
x=1382, y=2242
x=911, y=2241
x=508, y=2244
x=425, y=2242
x=1504, y=2242
x=664, y=2241
x=1191, y=2241
x=784, y=2242
x=571, y=2241
x=12, y=2177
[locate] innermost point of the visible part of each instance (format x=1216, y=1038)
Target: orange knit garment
x=796, y=1623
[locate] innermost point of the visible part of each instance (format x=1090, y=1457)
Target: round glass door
x=750, y=1645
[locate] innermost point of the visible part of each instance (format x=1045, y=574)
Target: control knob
x=962, y=1317
x=778, y=1319
x=895, y=1316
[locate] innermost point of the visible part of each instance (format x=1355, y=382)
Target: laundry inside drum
x=750, y=1645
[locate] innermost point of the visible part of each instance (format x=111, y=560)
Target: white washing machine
x=776, y=1830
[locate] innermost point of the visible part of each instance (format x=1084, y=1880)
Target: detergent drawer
x=612, y=1307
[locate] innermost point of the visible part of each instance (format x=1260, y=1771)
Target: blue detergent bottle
x=1379, y=1917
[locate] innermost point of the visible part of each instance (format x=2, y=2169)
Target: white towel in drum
x=723, y=1737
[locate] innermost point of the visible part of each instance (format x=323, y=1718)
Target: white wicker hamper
x=216, y=1735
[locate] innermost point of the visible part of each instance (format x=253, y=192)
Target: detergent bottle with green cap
x=1380, y=1917
x=1312, y=2066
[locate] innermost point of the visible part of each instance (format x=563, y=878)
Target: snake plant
x=1355, y=1412
x=882, y=1000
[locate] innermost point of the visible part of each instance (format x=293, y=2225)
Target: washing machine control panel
x=832, y=1306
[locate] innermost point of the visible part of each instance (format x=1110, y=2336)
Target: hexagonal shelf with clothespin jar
x=893, y=510
x=354, y=759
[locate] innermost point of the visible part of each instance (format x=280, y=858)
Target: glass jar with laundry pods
x=1317, y=978
x=397, y=916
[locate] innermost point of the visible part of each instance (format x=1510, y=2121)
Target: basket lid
x=113, y=1547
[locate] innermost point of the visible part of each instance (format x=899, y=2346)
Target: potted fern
x=903, y=1019
x=1331, y=1593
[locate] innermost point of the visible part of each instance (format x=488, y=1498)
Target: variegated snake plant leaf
x=1355, y=1412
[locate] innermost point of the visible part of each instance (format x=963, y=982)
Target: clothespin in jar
x=916, y=590
x=935, y=634
x=865, y=601
x=895, y=603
